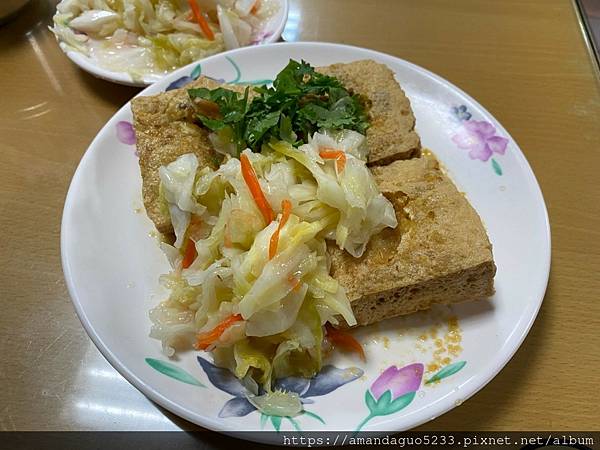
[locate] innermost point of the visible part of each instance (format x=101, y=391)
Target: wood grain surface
x=525, y=61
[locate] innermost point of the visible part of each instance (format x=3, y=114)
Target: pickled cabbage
x=280, y=302
x=154, y=37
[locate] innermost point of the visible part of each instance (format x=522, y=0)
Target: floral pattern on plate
x=396, y=388
x=391, y=391
x=197, y=71
x=125, y=132
x=479, y=138
x=326, y=381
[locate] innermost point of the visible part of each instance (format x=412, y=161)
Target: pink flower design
x=398, y=381
x=479, y=137
x=392, y=391
x=396, y=388
x=125, y=133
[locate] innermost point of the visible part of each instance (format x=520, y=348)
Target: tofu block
x=165, y=128
x=392, y=134
x=439, y=253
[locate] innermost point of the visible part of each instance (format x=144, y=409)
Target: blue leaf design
x=238, y=73
x=330, y=378
x=496, y=167
x=447, y=371
x=370, y=401
x=217, y=80
x=384, y=401
x=400, y=402
x=276, y=421
x=223, y=379
x=259, y=82
x=171, y=370
x=313, y=415
x=263, y=420
x=196, y=72
x=384, y=406
x=179, y=82
x=237, y=407
x=293, y=384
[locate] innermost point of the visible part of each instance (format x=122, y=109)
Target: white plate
x=112, y=263
x=270, y=32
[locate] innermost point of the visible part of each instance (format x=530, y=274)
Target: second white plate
x=270, y=32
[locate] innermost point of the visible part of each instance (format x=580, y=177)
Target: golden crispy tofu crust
x=439, y=253
x=392, y=134
x=165, y=129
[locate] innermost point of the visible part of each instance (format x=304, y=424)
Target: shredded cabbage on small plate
x=155, y=37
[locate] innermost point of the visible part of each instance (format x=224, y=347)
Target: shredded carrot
x=255, y=189
x=255, y=7
x=338, y=155
x=295, y=282
x=190, y=254
x=201, y=20
x=204, y=340
x=344, y=340
x=286, y=207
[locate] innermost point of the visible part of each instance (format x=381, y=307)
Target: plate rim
x=85, y=63
x=470, y=387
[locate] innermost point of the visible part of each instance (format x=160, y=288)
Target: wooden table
x=526, y=61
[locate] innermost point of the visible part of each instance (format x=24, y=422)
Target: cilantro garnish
x=300, y=102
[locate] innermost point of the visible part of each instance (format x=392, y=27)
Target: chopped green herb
x=301, y=102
